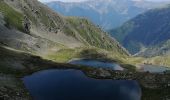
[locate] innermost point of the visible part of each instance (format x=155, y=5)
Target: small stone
x=18, y=94
x=168, y=84
x=3, y=89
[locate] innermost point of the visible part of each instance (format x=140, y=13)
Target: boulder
x=27, y=24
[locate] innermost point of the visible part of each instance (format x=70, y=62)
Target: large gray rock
x=27, y=24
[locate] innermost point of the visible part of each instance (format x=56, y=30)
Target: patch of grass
x=92, y=53
x=129, y=67
x=7, y=70
x=160, y=60
x=134, y=60
x=68, y=30
x=12, y=17
x=45, y=20
x=62, y=55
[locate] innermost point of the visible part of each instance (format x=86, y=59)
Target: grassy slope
x=87, y=30
x=72, y=26
x=79, y=28
x=145, y=30
x=92, y=34
x=12, y=17
x=121, y=32
x=157, y=60
x=82, y=30
x=157, y=54
x=160, y=60
x=64, y=55
x=89, y=33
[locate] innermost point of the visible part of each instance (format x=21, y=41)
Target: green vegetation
x=86, y=30
x=68, y=30
x=12, y=17
x=147, y=30
x=81, y=29
x=62, y=55
x=155, y=94
x=121, y=32
x=92, y=53
x=160, y=60
x=94, y=36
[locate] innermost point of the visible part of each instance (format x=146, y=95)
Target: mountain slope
x=48, y=30
x=157, y=50
x=106, y=13
x=148, y=32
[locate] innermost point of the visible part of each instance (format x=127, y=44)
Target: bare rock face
x=27, y=24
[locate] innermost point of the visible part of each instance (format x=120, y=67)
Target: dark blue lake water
x=74, y=85
x=96, y=63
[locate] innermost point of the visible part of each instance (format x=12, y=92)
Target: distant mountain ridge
x=147, y=34
x=106, y=13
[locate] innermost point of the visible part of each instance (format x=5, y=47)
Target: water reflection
x=74, y=85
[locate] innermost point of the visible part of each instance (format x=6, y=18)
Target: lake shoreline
x=35, y=64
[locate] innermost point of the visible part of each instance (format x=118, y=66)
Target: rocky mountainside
x=147, y=34
x=30, y=26
x=106, y=13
